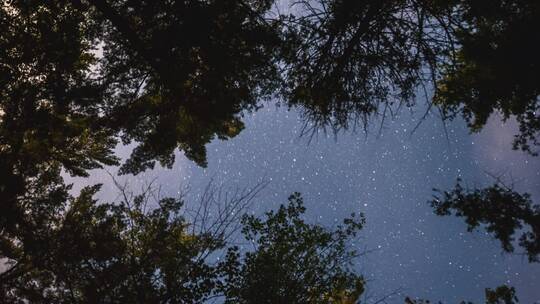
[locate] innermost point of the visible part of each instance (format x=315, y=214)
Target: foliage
x=90, y=71
x=345, y=60
x=90, y=252
x=49, y=104
x=502, y=211
x=495, y=68
x=78, y=76
x=292, y=261
x=174, y=86
x=501, y=295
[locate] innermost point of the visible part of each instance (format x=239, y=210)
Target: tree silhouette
x=501, y=295
x=184, y=71
x=292, y=261
x=90, y=252
x=337, y=60
x=129, y=252
x=349, y=60
x=503, y=211
x=179, y=73
x=77, y=77
x=495, y=68
x=49, y=105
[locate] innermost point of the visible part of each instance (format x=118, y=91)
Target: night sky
x=389, y=177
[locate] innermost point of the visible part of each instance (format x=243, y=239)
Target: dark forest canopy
x=177, y=74
x=78, y=77
x=82, y=251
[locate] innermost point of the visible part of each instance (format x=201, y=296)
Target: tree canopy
x=79, y=77
x=293, y=261
x=84, y=251
x=177, y=74
x=501, y=210
x=500, y=295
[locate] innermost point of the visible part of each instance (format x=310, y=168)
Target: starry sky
x=388, y=176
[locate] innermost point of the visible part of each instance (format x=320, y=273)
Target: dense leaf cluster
x=276, y=272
